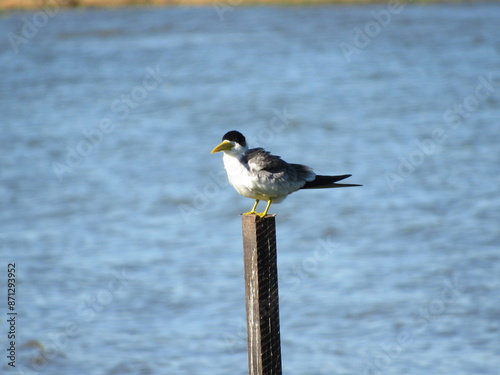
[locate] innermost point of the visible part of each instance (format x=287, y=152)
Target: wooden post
x=261, y=290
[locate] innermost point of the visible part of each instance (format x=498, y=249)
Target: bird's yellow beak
x=224, y=146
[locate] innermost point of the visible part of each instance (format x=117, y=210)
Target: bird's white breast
x=240, y=177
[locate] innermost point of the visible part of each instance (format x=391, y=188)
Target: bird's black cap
x=235, y=136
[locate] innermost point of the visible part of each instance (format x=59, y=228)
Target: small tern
x=255, y=173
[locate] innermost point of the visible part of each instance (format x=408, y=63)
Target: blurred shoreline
x=37, y=4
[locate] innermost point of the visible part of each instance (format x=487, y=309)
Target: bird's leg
x=267, y=208
x=252, y=211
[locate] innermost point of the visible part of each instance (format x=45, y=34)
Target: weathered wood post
x=261, y=291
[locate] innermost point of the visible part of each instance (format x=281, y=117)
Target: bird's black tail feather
x=325, y=182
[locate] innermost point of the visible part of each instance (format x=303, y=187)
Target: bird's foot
x=252, y=211
x=261, y=214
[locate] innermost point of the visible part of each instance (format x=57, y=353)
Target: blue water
x=126, y=235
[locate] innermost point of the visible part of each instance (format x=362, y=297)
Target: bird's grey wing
x=303, y=172
x=259, y=160
x=265, y=164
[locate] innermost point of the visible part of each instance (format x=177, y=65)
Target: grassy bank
x=37, y=4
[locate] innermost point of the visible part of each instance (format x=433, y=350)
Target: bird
x=256, y=173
